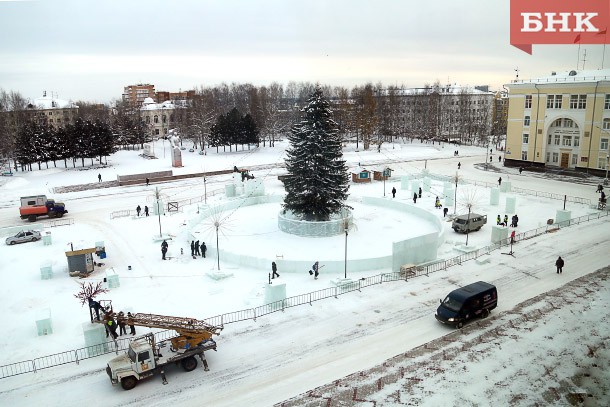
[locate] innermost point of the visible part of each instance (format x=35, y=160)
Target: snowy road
x=286, y=354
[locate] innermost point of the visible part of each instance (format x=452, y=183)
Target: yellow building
x=562, y=120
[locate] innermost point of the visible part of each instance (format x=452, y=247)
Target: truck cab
x=466, y=303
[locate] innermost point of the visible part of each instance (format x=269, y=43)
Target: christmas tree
x=317, y=182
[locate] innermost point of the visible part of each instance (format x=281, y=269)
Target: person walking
x=203, y=249
x=99, y=177
x=164, y=247
x=419, y=193
x=274, y=270
x=132, y=328
x=499, y=158
x=512, y=237
x=445, y=210
x=145, y=210
x=197, y=252
x=516, y=220
x=315, y=270
x=459, y=165
x=498, y=220
x=393, y=192
x=520, y=170
x=505, y=220
x=192, y=248
x=437, y=203
x=499, y=181
x=147, y=182
x=600, y=188
x=414, y=197
x=138, y=209
x=120, y=320
x=559, y=264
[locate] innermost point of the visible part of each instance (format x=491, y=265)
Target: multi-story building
x=159, y=117
x=562, y=120
x=451, y=111
x=135, y=94
x=51, y=111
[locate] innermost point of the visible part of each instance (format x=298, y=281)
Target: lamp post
x=345, y=262
x=468, y=223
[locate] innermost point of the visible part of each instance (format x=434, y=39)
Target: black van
x=473, y=300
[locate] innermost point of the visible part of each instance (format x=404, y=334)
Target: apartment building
x=561, y=120
x=135, y=94
x=52, y=111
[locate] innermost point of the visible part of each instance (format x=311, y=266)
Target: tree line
x=367, y=115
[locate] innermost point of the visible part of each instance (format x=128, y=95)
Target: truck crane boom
x=191, y=332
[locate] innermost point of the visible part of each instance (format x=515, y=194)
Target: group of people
x=139, y=209
x=121, y=321
x=456, y=153
x=110, y=323
x=198, y=250
x=416, y=195
x=514, y=221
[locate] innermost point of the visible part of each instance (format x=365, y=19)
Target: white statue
x=175, y=141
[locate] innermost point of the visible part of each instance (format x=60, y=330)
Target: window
x=548, y=157
x=601, y=162
x=557, y=139
x=550, y=140
x=578, y=101
x=606, y=124
x=526, y=138
x=156, y=119
x=576, y=141
x=607, y=102
x=142, y=356
x=567, y=141
x=524, y=155
x=157, y=132
x=603, y=144
x=555, y=157
x=526, y=121
x=574, y=159
x=553, y=101
x=164, y=118
x=556, y=123
x=147, y=119
x=528, y=101
x=568, y=123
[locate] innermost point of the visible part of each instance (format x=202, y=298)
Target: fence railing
x=74, y=356
x=183, y=202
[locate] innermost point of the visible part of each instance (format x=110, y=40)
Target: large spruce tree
x=317, y=182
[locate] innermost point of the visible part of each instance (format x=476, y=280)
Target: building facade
x=562, y=120
x=51, y=111
x=158, y=117
x=135, y=94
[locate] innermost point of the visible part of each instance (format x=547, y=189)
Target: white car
x=24, y=236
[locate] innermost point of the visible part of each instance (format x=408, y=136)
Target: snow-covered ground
x=546, y=340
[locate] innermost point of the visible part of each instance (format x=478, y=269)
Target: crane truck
x=38, y=205
x=144, y=357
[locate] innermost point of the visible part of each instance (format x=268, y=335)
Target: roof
x=465, y=292
x=591, y=75
x=48, y=102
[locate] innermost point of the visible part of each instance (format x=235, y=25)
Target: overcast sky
x=91, y=49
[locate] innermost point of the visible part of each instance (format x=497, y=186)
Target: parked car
x=24, y=236
x=469, y=223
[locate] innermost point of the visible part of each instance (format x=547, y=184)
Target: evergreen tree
x=317, y=183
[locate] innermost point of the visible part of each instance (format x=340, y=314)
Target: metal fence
x=180, y=203
x=75, y=356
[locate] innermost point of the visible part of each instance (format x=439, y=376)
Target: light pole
x=345, y=262
x=468, y=223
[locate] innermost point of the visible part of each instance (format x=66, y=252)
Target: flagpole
x=578, y=56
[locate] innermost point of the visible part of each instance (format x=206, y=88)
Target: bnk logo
x=558, y=22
